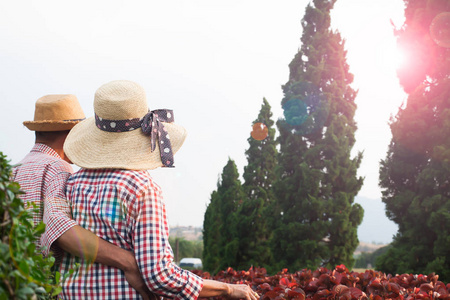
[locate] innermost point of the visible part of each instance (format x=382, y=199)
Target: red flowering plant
x=340, y=283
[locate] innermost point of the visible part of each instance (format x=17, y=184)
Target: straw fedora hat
x=124, y=134
x=56, y=113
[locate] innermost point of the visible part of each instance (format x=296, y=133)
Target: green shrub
x=24, y=273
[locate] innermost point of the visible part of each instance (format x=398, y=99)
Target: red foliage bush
x=339, y=283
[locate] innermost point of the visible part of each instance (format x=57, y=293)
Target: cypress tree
x=231, y=196
x=415, y=174
x=254, y=215
x=211, y=234
x=219, y=227
x=317, y=179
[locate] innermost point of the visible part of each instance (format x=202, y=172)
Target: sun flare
x=390, y=57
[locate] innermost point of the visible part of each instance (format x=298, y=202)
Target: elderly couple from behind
x=109, y=216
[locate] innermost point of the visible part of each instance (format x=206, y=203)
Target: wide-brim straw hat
x=56, y=113
x=89, y=146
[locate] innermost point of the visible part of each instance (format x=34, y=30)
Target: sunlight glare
x=389, y=56
x=399, y=57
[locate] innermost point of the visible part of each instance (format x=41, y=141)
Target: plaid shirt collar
x=43, y=148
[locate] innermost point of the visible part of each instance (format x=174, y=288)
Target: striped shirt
x=42, y=175
x=125, y=208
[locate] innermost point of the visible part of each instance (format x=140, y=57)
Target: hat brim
x=50, y=125
x=92, y=148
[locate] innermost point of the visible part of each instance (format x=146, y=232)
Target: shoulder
x=54, y=166
x=46, y=156
x=135, y=181
x=60, y=165
x=140, y=181
x=42, y=164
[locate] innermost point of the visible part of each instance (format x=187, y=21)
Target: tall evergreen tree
x=211, y=234
x=415, y=174
x=254, y=215
x=220, y=238
x=318, y=218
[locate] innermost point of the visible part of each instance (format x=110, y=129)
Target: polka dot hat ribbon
x=151, y=125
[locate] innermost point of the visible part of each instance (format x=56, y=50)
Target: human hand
x=241, y=291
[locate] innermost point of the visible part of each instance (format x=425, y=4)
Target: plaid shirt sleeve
x=56, y=215
x=153, y=252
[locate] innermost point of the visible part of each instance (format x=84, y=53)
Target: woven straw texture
x=92, y=148
x=56, y=113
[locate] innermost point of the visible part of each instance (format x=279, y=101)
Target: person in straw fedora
x=114, y=196
x=43, y=174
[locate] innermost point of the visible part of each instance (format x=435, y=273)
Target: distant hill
x=375, y=228
x=367, y=247
x=188, y=233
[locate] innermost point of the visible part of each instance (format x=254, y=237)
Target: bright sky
x=210, y=61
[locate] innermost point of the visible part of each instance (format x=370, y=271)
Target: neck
x=56, y=142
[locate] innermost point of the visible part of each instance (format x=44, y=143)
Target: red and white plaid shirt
x=125, y=208
x=42, y=175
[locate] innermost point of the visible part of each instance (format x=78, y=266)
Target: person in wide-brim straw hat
x=43, y=174
x=123, y=133
x=114, y=195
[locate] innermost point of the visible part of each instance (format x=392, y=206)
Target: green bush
x=24, y=273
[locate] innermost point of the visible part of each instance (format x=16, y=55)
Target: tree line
x=295, y=208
